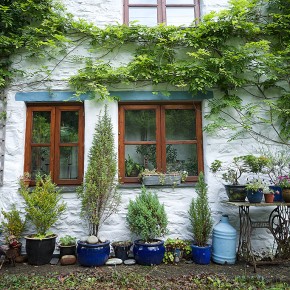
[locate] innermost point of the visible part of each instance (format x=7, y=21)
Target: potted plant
x=67, y=246
x=176, y=249
x=147, y=219
x=26, y=178
x=201, y=223
x=98, y=193
x=284, y=183
x=122, y=249
x=269, y=196
x=43, y=207
x=132, y=168
x=255, y=189
x=154, y=177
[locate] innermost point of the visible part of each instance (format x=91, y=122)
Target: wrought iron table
x=278, y=223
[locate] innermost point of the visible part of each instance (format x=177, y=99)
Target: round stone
x=114, y=261
x=130, y=262
x=92, y=240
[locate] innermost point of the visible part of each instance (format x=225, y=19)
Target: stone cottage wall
x=176, y=200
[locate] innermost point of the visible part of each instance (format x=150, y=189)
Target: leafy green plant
x=132, y=168
x=43, y=204
x=98, y=193
x=146, y=217
x=200, y=214
x=67, y=241
x=256, y=185
x=171, y=245
x=13, y=224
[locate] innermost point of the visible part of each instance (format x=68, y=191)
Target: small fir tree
x=98, y=193
x=200, y=214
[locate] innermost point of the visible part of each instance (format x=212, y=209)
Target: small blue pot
x=93, y=254
x=149, y=253
x=255, y=196
x=201, y=255
x=277, y=196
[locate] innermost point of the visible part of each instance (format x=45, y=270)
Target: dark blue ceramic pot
x=93, y=254
x=255, y=196
x=201, y=255
x=149, y=253
x=277, y=193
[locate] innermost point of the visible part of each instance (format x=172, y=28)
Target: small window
x=163, y=137
x=54, y=142
x=152, y=12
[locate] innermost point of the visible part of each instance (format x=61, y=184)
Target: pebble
x=130, y=262
x=114, y=261
x=68, y=260
x=92, y=240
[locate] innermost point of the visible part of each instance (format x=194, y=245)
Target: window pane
x=147, y=155
x=39, y=160
x=180, y=157
x=179, y=16
x=144, y=15
x=140, y=125
x=68, y=163
x=69, y=127
x=180, y=125
x=142, y=1
x=134, y=162
x=179, y=2
x=41, y=127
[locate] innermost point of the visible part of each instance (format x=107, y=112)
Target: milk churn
x=224, y=242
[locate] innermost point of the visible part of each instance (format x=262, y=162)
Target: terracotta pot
x=269, y=198
x=286, y=194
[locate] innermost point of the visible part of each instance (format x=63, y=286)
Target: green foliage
x=98, y=193
x=146, y=217
x=67, y=241
x=200, y=214
x=171, y=245
x=42, y=203
x=12, y=224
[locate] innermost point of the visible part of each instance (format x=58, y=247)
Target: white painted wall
x=176, y=200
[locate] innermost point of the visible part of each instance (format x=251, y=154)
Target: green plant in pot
x=67, y=246
x=132, y=168
x=98, y=194
x=201, y=223
x=176, y=249
x=43, y=207
x=255, y=188
x=147, y=219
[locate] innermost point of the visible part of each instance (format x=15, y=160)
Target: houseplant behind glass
x=201, y=223
x=43, y=207
x=147, y=219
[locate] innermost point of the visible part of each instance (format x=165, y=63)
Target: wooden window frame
x=55, y=144
x=161, y=9
x=160, y=136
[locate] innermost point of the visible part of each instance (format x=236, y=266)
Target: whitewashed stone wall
x=176, y=200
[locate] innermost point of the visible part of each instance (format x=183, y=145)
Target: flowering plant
x=283, y=181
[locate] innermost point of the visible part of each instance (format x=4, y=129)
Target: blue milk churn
x=224, y=242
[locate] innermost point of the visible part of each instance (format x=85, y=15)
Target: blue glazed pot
x=255, y=196
x=201, y=255
x=149, y=253
x=277, y=196
x=93, y=254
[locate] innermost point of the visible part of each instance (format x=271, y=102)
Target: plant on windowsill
x=26, y=178
x=147, y=219
x=176, y=249
x=98, y=194
x=43, y=207
x=132, y=169
x=154, y=177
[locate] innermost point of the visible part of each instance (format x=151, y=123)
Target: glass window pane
x=41, y=127
x=69, y=126
x=147, y=155
x=179, y=2
x=179, y=16
x=180, y=125
x=180, y=157
x=140, y=125
x=142, y=1
x=144, y=15
x=68, y=163
x=134, y=162
x=39, y=160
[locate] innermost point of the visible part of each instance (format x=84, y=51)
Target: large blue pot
x=93, y=254
x=201, y=255
x=149, y=253
x=277, y=193
x=255, y=196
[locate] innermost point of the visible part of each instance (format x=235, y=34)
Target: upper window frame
x=55, y=144
x=161, y=9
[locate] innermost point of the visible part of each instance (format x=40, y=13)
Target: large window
x=166, y=137
x=54, y=142
x=152, y=12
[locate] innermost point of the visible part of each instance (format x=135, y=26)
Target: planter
x=236, y=192
x=201, y=255
x=122, y=249
x=255, y=196
x=40, y=251
x=149, y=253
x=278, y=193
x=269, y=198
x=67, y=250
x=162, y=179
x=286, y=194
x=93, y=254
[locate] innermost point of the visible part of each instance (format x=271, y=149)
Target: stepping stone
x=130, y=262
x=114, y=261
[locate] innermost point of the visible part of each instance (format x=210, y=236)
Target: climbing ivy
x=240, y=52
